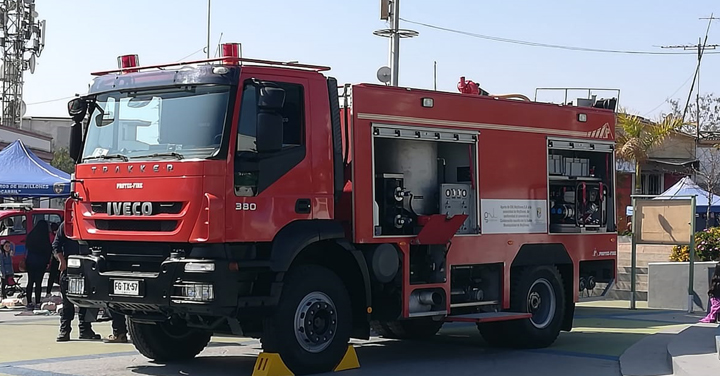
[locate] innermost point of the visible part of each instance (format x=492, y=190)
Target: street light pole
x=208, y=31
x=395, y=42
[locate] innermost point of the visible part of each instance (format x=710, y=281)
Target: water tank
x=417, y=161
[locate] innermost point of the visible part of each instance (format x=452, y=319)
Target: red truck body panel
x=512, y=165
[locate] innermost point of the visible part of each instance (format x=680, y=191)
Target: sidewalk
x=687, y=348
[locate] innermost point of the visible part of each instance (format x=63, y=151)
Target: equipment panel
x=459, y=199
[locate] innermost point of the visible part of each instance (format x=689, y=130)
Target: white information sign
x=513, y=216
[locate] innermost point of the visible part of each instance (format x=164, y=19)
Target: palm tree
x=637, y=136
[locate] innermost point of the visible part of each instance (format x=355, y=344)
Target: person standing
x=714, y=294
x=6, y=267
x=39, y=252
x=62, y=247
x=54, y=266
x=119, y=327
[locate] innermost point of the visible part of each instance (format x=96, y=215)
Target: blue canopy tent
x=687, y=187
x=23, y=174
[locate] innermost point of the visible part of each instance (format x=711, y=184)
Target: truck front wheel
x=311, y=326
x=164, y=342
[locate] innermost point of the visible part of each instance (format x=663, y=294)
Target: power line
x=50, y=100
x=671, y=95
x=183, y=58
x=700, y=47
x=547, y=45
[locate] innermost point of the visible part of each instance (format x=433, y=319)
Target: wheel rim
x=541, y=303
x=315, y=322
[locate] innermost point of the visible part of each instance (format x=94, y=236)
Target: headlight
x=199, y=267
x=76, y=286
x=73, y=263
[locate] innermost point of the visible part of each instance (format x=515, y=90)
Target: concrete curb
x=649, y=356
x=717, y=342
x=693, y=351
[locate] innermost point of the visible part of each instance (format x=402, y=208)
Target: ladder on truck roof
x=227, y=60
x=591, y=100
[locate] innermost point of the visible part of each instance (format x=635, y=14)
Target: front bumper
x=170, y=291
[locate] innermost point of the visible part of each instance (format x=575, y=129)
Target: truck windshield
x=182, y=122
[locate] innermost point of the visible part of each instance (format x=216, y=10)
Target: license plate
x=131, y=288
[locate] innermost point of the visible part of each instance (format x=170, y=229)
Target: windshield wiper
x=166, y=154
x=109, y=156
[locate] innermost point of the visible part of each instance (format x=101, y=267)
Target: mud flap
x=567, y=323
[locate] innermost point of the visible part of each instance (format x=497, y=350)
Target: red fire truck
x=260, y=199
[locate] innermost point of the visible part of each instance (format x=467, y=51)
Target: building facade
x=667, y=163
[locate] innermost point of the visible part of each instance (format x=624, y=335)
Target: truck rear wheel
x=537, y=290
x=164, y=342
x=408, y=329
x=311, y=326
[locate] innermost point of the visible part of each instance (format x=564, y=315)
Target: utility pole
x=700, y=47
x=435, y=75
x=390, y=11
x=395, y=42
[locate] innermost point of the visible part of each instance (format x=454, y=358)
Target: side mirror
x=77, y=108
x=272, y=98
x=75, y=141
x=269, y=135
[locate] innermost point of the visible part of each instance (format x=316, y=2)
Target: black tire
x=318, y=345
x=538, y=290
x=167, y=343
x=495, y=333
x=409, y=329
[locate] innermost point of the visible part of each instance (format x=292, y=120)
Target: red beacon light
x=128, y=61
x=233, y=51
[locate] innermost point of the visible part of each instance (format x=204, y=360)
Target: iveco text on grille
x=129, y=208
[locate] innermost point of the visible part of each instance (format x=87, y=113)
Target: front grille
x=135, y=307
x=136, y=225
x=157, y=207
x=135, y=257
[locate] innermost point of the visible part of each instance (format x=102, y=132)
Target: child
x=6, y=267
x=714, y=294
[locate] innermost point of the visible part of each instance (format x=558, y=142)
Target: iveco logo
x=129, y=208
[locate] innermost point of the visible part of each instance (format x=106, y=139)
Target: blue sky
x=88, y=35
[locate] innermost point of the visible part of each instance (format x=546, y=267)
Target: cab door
x=270, y=189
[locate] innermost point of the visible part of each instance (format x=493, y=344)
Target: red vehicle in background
x=258, y=198
x=18, y=219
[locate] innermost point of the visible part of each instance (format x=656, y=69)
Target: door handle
x=302, y=206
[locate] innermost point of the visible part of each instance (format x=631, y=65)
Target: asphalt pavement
x=603, y=331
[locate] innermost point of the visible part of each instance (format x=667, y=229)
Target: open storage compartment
x=419, y=173
x=581, y=187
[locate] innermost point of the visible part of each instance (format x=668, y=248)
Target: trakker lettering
x=129, y=208
x=278, y=204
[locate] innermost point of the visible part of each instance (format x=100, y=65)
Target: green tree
x=637, y=136
x=62, y=161
x=709, y=113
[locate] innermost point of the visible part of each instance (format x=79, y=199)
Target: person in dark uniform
x=62, y=248
x=54, y=266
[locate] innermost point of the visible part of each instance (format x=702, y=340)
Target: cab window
x=49, y=218
x=13, y=225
